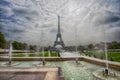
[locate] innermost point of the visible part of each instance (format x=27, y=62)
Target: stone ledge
x=114, y=65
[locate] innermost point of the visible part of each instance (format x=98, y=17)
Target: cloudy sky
x=82, y=21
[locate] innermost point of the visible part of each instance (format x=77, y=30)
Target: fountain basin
x=30, y=74
x=12, y=64
x=72, y=71
x=114, y=65
x=99, y=74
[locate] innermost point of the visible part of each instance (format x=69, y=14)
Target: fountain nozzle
x=106, y=72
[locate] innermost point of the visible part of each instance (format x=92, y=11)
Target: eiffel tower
x=59, y=40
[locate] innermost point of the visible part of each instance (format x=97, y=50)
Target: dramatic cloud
x=82, y=21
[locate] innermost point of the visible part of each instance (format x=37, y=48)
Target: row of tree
x=23, y=46
x=2, y=40
x=16, y=45
x=110, y=45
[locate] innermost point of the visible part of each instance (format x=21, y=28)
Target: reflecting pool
x=71, y=70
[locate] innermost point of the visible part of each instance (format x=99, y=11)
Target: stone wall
x=114, y=65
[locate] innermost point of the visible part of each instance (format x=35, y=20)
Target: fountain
x=76, y=60
x=99, y=53
x=49, y=53
x=35, y=57
x=10, y=62
x=10, y=53
x=26, y=50
x=70, y=54
x=43, y=57
x=106, y=74
x=37, y=51
x=71, y=70
x=58, y=53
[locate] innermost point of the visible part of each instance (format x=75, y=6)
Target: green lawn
x=19, y=55
x=53, y=54
x=113, y=56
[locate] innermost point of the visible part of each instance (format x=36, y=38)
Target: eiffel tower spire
x=59, y=24
x=59, y=40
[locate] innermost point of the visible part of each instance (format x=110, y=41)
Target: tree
x=18, y=45
x=114, y=45
x=32, y=47
x=81, y=48
x=2, y=41
x=90, y=46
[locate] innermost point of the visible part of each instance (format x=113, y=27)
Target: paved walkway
x=29, y=74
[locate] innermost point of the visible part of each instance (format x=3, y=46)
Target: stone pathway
x=29, y=74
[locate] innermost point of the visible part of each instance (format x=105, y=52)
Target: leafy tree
x=18, y=45
x=81, y=48
x=2, y=41
x=32, y=47
x=114, y=45
x=90, y=46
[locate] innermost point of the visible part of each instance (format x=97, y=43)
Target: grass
x=112, y=56
x=53, y=54
x=19, y=55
